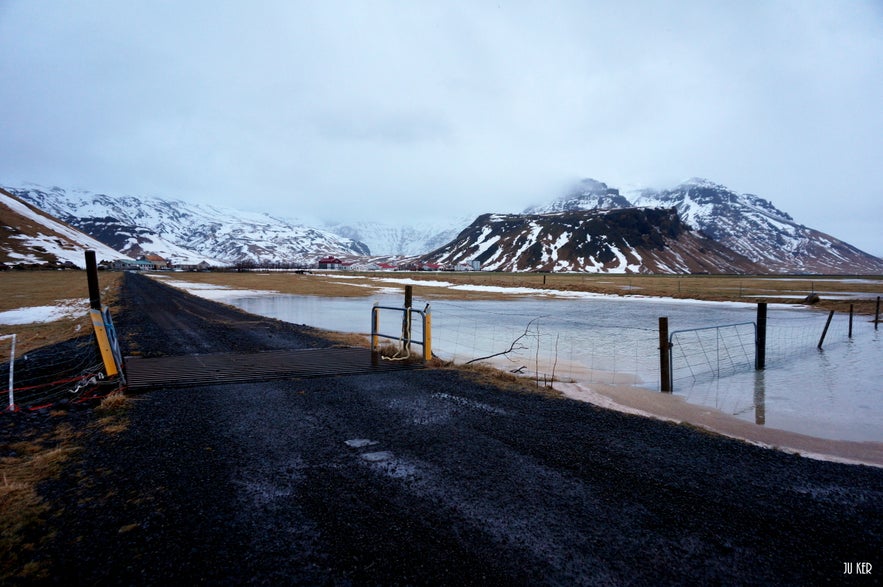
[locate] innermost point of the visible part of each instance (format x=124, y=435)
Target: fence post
x=825, y=331
x=427, y=334
x=851, y=309
x=760, y=341
x=92, y=281
x=664, y=355
x=375, y=330
x=406, y=318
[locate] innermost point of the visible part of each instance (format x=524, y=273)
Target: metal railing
x=405, y=336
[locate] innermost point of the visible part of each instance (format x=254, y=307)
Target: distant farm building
x=330, y=262
x=468, y=266
x=155, y=260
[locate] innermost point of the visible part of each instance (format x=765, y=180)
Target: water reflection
x=759, y=398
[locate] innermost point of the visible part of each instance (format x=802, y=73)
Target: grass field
x=27, y=289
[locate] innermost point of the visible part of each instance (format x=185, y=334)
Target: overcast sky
x=415, y=110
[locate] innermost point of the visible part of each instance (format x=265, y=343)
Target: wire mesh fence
x=713, y=351
x=552, y=341
x=44, y=376
x=554, y=345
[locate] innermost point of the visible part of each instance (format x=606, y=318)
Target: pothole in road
x=383, y=460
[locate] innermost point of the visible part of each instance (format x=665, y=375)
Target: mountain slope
x=186, y=232
x=31, y=237
x=754, y=227
x=745, y=223
x=633, y=240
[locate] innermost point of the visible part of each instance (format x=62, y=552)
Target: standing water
x=833, y=393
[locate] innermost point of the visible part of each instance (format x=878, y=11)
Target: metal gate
x=712, y=351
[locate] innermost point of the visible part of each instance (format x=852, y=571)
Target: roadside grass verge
x=29, y=456
x=25, y=463
x=28, y=461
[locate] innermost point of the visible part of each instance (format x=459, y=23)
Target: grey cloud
x=477, y=106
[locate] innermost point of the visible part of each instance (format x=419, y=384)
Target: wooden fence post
x=664, y=356
x=92, y=281
x=851, y=311
x=375, y=332
x=825, y=331
x=760, y=342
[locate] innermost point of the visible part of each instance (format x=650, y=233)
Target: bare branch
x=515, y=346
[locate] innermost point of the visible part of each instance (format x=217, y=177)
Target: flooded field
x=833, y=393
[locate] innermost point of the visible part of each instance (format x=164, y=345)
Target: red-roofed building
x=330, y=262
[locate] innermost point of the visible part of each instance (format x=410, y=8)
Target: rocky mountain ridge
x=747, y=224
x=623, y=240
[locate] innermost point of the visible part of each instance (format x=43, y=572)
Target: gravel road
x=428, y=477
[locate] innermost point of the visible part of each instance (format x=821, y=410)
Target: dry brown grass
x=20, y=289
x=113, y=413
x=348, y=339
x=485, y=374
x=22, y=510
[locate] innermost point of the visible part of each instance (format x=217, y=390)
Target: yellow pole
x=103, y=343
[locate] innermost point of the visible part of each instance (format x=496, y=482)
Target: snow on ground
x=535, y=291
x=41, y=314
x=213, y=292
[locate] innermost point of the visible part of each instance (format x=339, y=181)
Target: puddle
x=376, y=457
x=360, y=442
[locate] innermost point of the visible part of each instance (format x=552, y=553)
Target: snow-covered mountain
x=31, y=237
x=730, y=232
x=748, y=224
x=188, y=233
x=393, y=239
x=632, y=240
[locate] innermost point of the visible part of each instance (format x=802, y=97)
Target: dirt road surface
x=428, y=477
